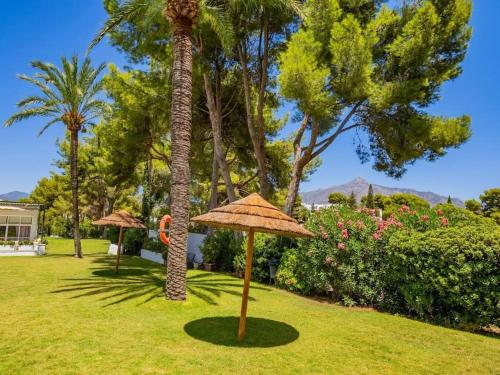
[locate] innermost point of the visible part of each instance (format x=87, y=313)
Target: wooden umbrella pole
x=120, y=238
x=246, y=287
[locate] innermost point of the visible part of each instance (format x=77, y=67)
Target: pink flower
x=323, y=233
x=360, y=224
x=444, y=221
x=328, y=260
x=424, y=218
x=341, y=246
x=345, y=234
x=405, y=208
x=289, y=282
x=376, y=236
x=439, y=212
x=340, y=225
x=349, y=222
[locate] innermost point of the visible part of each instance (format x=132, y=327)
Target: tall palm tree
x=68, y=96
x=182, y=15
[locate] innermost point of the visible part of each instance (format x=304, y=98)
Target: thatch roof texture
x=120, y=219
x=253, y=212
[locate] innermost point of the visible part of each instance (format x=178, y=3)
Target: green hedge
x=446, y=275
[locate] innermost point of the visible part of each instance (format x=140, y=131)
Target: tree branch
x=325, y=143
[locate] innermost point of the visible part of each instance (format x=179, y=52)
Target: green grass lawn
x=61, y=315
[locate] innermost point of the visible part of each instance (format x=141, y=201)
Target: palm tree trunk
x=74, y=193
x=181, y=117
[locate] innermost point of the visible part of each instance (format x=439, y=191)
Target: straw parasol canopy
x=252, y=214
x=121, y=219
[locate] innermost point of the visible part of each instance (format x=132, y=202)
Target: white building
x=18, y=221
x=317, y=206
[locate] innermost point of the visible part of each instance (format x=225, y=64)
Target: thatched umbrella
x=121, y=219
x=252, y=214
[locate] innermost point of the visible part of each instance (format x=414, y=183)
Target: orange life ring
x=167, y=219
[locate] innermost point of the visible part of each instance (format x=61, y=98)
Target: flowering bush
x=342, y=261
x=348, y=259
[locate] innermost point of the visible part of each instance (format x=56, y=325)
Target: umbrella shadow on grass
x=143, y=285
x=260, y=333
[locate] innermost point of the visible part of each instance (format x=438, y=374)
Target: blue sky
x=47, y=30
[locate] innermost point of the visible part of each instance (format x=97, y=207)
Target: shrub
x=133, y=240
x=88, y=230
x=268, y=249
x=347, y=258
x=446, y=275
x=343, y=261
x=220, y=248
x=112, y=234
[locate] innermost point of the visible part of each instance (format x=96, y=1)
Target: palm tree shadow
x=145, y=285
x=260, y=333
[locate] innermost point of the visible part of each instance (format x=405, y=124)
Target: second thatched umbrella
x=252, y=214
x=121, y=219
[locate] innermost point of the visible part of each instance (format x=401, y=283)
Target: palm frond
x=127, y=11
x=41, y=85
x=219, y=22
x=49, y=124
x=28, y=113
x=34, y=99
x=74, y=88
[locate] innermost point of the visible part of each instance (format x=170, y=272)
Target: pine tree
x=449, y=200
x=352, y=201
x=370, y=203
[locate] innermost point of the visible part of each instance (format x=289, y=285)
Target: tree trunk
x=255, y=136
x=181, y=117
x=74, y=193
x=212, y=203
x=216, y=122
x=301, y=158
x=146, y=191
x=214, y=182
x=293, y=187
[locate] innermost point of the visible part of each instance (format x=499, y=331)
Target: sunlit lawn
x=60, y=315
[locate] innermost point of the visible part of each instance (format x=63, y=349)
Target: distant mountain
x=13, y=196
x=360, y=188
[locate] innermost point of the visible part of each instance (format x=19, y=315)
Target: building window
x=15, y=228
